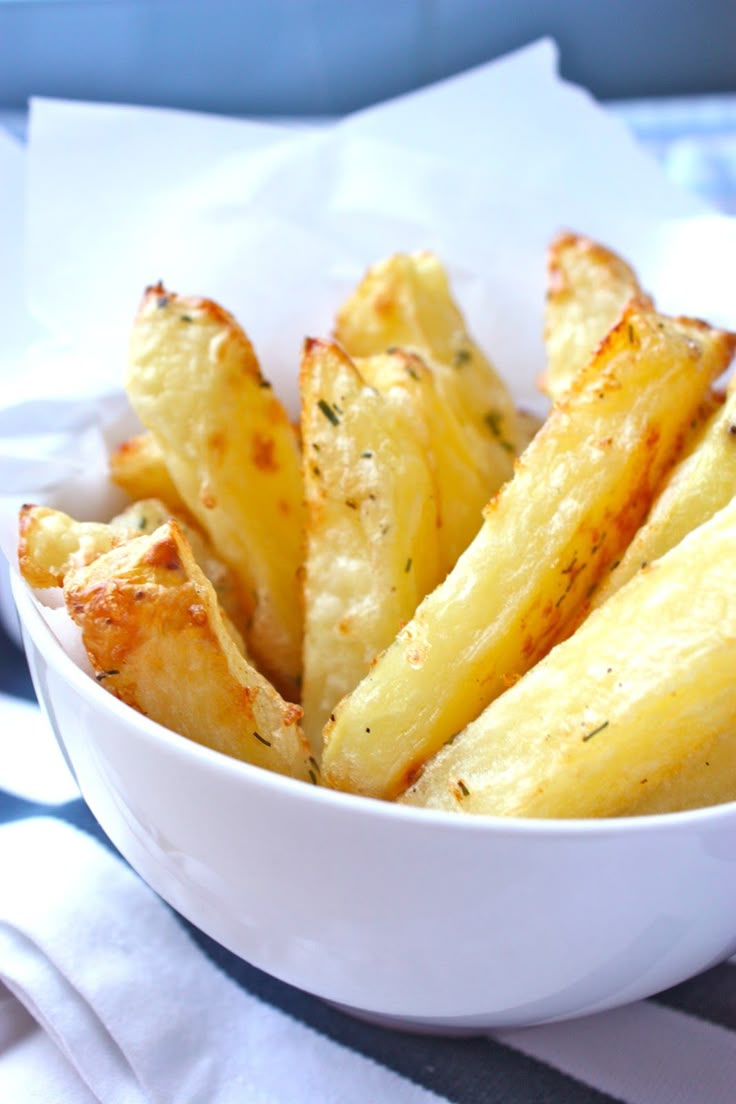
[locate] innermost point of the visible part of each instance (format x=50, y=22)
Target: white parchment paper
x=278, y=224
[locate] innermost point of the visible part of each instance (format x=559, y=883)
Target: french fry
x=639, y=694
x=153, y=631
x=50, y=544
x=227, y=442
x=146, y=515
x=699, y=485
x=588, y=288
x=405, y=302
x=372, y=537
x=579, y=493
x=138, y=467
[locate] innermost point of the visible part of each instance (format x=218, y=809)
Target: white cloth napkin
x=136, y=1010
x=132, y=1012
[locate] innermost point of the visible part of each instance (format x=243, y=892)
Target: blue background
x=321, y=57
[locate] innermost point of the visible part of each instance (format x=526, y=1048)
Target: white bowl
x=418, y=919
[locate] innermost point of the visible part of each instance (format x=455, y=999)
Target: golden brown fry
x=405, y=302
x=226, y=440
x=587, y=289
x=154, y=634
x=580, y=491
x=50, y=543
x=641, y=693
x=701, y=483
x=372, y=547
x=138, y=467
x=148, y=514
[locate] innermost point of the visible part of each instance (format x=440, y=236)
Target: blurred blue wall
x=319, y=57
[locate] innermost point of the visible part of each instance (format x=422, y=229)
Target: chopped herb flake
x=494, y=421
x=185, y=318
x=590, y=735
x=262, y=739
x=328, y=412
x=462, y=356
x=463, y=788
x=407, y=568
x=105, y=674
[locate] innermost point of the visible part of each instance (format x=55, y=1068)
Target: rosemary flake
x=328, y=412
x=590, y=735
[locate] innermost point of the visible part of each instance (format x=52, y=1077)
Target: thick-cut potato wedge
x=642, y=688
x=138, y=467
x=148, y=514
x=153, y=631
x=405, y=302
x=462, y=486
x=226, y=440
x=579, y=493
x=700, y=484
x=50, y=543
x=372, y=547
x=588, y=287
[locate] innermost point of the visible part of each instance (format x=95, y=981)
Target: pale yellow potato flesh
x=51, y=543
x=579, y=492
x=372, y=536
x=706, y=776
x=588, y=287
x=699, y=485
x=601, y=725
x=226, y=440
x=463, y=487
x=405, y=302
x=138, y=467
x=154, y=634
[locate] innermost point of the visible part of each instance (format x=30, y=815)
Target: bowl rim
x=44, y=639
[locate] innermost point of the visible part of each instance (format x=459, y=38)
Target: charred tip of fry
x=292, y=714
x=314, y=345
x=164, y=552
x=155, y=295
x=191, y=308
